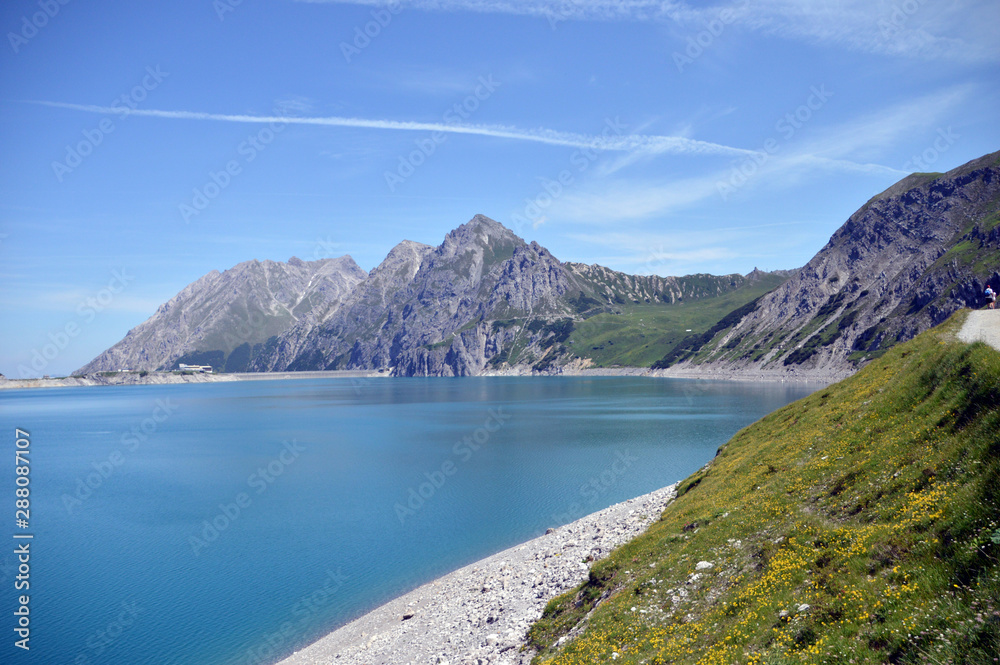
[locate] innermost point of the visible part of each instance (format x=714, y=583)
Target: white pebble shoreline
x=480, y=614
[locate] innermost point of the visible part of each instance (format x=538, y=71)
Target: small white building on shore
x=201, y=369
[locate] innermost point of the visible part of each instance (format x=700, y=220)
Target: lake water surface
x=232, y=523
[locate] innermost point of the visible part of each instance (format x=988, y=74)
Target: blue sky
x=146, y=145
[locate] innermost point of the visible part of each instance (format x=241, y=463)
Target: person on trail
x=991, y=297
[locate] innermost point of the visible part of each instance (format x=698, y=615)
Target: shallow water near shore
x=234, y=523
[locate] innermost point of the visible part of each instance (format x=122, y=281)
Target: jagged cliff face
x=484, y=300
x=234, y=310
x=427, y=310
x=901, y=264
x=617, y=287
x=296, y=346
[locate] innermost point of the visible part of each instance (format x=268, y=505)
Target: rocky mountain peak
x=403, y=260
x=488, y=225
x=243, y=306
x=480, y=231
x=345, y=263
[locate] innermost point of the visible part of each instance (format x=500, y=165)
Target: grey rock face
x=245, y=305
x=616, y=287
x=903, y=263
x=429, y=311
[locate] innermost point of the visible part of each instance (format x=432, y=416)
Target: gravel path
x=982, y=326
x=480, y=614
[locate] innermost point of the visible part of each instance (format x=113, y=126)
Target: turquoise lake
x=233, y=523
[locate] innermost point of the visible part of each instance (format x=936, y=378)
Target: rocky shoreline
x=753, y=374
x=161, y=378
x=480, y=614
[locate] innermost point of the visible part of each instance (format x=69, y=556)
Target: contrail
x=634, y=143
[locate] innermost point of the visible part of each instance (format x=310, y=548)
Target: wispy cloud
x=613, y=201
x=662, y=253
x=959, y=29
x=868, y=136
x=690, y=247
x=955, y=30
x=848, y=147
x=641, y=143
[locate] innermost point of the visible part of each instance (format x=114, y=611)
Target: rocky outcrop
x=903, y=263
x=221, y=317
x=619, y=287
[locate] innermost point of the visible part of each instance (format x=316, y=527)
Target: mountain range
x=485, y=300
x=482, y=300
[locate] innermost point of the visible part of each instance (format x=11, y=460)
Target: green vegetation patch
x=239, y=359
x=497, y=360
x=443, y=344
x=971, y=249
x=583, y=304
x=692, y=344
x=860, y=523
x=824, y=337
x=639, y=335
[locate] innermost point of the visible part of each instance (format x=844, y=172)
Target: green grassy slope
x=643, y=333
x=858, y=525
